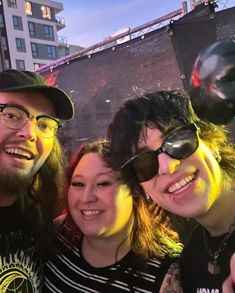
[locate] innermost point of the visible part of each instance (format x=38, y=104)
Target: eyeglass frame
x=161, y=149
x=3, y=106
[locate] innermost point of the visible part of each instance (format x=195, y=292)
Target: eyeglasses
x=179, y=145
x=15, y=117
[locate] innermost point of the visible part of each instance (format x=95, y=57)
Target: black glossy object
x=212, y=85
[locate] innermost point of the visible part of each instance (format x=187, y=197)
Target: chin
x=196, y=213
x=91, y=232
x=186, y=212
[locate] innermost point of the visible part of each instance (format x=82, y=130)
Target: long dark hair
x=43, y=201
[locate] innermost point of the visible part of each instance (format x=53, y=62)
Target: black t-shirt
x=194, y=263
x=20, y=261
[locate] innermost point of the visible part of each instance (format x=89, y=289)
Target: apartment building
x=28, y=33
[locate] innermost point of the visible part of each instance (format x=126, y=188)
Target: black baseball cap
x=12, y=80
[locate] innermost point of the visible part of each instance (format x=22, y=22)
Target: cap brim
x=63, y=105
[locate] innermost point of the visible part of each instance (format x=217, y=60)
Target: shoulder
x=60, y=220
x=171, y=282
x=64, y=225
x=166, y=272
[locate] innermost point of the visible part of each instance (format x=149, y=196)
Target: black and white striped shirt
x=67, y=271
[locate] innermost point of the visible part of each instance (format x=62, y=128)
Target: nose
x=28, y=130
x=167, y=165
x=89, y=194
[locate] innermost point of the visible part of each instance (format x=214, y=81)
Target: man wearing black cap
x=31, y=175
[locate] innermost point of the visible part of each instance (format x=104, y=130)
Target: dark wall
x=98, y=85
x=162, y=59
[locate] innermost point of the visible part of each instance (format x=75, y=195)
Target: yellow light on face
x=122, y=219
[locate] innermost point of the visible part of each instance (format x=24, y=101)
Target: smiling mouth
x=19, y=153
x=181, y=184
x=91, y=213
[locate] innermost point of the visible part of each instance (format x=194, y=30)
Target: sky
x=88, y=22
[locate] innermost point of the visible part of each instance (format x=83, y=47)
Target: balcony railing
x=62, y=40
x=60, y=20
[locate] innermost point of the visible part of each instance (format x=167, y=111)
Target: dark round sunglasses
x=179, y=144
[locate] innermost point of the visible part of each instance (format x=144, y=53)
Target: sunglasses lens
x=181, y=144
x=143, y=167
x=178, y=145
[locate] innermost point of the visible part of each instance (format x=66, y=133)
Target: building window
x=20, y=45
x=7, y=63
x=17, y=22
x=32, y=31
x=34, y=48
x=4, y=43
x=48, y=32
x=51, y=52
x=12, y=3
x=1, y=20
x=46, y=12
x=20, y=65
x=28, y=8
x=64, y=51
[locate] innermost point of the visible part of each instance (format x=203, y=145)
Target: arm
x=229, y=283
x=171, y=282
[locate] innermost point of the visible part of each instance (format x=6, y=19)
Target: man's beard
x=13, y=183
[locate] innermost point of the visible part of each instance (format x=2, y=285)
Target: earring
x=147, y=196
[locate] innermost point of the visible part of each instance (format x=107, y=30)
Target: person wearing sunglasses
x=109, y=239
x=32, y=163
x=187, y=166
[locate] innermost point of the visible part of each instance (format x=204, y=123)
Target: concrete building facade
x=29, y=33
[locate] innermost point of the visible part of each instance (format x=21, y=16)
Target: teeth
x=19, y=152
x=175, y=187
x=90, y=213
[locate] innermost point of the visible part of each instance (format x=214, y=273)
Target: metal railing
x=132, y=33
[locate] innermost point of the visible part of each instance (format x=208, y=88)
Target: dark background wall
x=162, y=59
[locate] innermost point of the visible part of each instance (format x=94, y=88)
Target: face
x=22, y=151
x=188, y=187
x=99, y=204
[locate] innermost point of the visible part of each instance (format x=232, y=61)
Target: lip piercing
x=172, y=196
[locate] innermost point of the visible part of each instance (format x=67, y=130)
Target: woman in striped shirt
x=110, y=239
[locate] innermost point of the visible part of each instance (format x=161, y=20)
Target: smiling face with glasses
x=15, y=116
x=179, y=145
x=28, y=126
x=178, y=170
